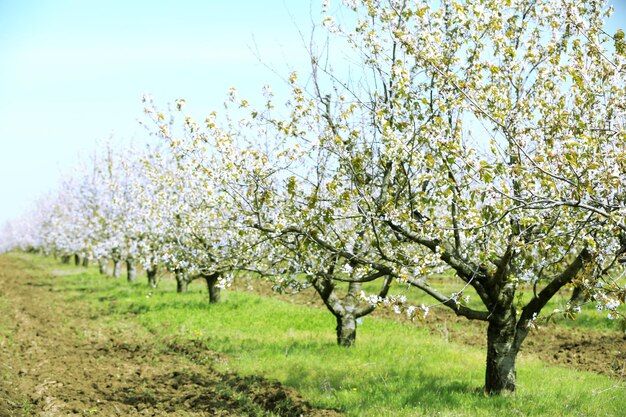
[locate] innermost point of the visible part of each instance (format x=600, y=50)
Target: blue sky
x=73, y=72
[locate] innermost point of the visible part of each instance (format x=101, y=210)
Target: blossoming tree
x=205, y=236
x=500, y=141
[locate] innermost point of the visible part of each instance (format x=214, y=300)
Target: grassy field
x=396, y=369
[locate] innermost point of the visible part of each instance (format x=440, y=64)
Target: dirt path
x=56, y=361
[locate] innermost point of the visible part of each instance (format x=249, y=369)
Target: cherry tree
x=304, y=197
x=487, y=136
x=104, y=195
x=63, y=232
x=500, y=130
x=203, y=235
x=148, y=222
x=25, y=232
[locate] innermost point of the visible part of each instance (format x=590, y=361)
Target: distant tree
x=62, y=231
x=203, y=237
x=25, y=232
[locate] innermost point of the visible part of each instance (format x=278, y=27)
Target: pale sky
x=72, y=72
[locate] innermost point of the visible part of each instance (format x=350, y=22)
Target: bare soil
x=602, y=352
x=55, y=360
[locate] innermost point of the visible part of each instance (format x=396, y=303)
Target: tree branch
x=539, y=301
x=459, y=309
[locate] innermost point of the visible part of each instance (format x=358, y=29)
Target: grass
x=395, y=370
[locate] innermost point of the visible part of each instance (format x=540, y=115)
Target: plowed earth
x=57, y=361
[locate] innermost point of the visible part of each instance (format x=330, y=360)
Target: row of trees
x=487, y=138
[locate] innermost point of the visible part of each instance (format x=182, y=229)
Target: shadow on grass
x=39, y=284
x=440, y=393
x=408, y=389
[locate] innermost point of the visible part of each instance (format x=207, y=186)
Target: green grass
x=395, y=370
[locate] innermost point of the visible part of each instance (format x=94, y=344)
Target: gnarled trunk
x=214, y=290
x=102, y=266
x=346, y=310
x=579, y=296
x=76, y=260
x=181, y=286
x=86, y=261
x=151, y=273
x=117, y=268
x=131, y=271
x=504, y=340
x=65, y=259
x=346, y=330
x=182, y=280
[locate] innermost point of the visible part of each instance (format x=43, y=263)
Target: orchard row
x=483, y=138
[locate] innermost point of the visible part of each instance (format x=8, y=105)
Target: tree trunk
x=346, y=330
x=346, y=310
x=65, y=259
x=214, y=290
x=151, y=273
x=578, y=297
x=117, y=268
x=85, y=261
x=347, y=315
x=182, y=281
x=503, y=343
x=131, y=271
x=76, y=260
x=102, y=266
x=181, y=285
